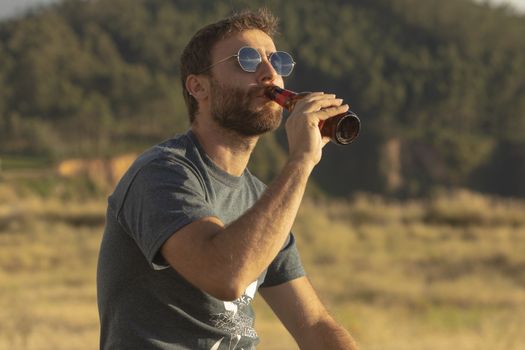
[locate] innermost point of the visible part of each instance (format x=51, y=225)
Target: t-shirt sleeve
x=163, y=197
x=286, y=266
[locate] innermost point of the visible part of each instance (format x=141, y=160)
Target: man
x=191, y=234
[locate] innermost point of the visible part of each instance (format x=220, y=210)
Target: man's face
x=237, y=97
x=243, y=111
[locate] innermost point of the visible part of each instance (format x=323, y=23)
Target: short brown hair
x=196, y=56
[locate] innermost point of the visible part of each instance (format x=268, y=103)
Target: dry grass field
x=446, y=272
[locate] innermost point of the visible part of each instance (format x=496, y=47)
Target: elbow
x=227, y=291
x=226, y=295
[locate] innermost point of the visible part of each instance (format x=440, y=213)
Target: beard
x=232, y=109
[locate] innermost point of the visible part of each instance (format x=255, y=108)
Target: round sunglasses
x=249, y=59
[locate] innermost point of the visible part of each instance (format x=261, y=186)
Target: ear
x=197, y=86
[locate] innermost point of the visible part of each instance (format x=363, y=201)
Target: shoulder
x=177, y=153
x=174, y=161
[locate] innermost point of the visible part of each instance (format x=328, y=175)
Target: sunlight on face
x=247, y=112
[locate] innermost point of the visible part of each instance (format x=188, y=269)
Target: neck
x=230, y=151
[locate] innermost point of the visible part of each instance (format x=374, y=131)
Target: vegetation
x=422, y=274
x=410, y=256
x=441, y=81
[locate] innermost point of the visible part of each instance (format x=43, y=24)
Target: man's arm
x=298, y=307
x=223, y=261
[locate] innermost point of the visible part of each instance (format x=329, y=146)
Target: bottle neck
x=281, y=96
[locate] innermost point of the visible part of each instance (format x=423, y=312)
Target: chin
x=270, y=109
x=269, y=123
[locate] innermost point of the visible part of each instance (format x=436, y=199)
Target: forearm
x=327, y=334
x=248, y=245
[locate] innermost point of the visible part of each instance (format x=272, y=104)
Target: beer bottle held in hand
x=342, y=129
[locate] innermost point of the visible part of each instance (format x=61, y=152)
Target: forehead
x=253, y=38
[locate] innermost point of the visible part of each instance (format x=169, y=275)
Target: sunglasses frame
x=237, y=55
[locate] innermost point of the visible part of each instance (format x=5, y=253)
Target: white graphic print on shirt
x=235, y=320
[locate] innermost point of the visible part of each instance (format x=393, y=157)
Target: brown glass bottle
x=342, y=129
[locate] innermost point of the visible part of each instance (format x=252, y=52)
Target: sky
x=517, y=4
x=9, y=8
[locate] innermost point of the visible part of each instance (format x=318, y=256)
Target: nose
x=266, y=74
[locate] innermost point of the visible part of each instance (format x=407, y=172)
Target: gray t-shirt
x=143, y=302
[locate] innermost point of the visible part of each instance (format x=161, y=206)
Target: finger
x=316, y=105
x=314, y=95
x=318, y=96
x=326, y=103
x=327, y=113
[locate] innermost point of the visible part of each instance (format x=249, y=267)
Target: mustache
x=256, y=91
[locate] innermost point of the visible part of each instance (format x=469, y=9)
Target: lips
x=259, y=92
x=256, y=91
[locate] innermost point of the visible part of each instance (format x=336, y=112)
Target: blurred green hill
x=439, y=86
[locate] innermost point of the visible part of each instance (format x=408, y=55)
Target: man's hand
x=302, y=127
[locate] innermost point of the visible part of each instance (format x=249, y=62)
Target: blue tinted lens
x=249, y=58
x=282, y=62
